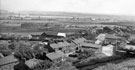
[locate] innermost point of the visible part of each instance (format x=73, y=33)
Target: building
x=78, y=41
x=56, y=56
x=109, y=39
x=50, y=35
x=90, y=45
x=61, y=34
x=8, y=62
x=63, y=46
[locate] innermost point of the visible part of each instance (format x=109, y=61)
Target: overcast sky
x=117, y=7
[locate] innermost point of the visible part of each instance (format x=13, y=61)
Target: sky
x=113, y=7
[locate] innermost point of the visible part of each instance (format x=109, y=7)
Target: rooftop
x=79, y=40
x=7, y=60
x=59, y=44
x=91, y=45
x=112, y=36
x=55, y=55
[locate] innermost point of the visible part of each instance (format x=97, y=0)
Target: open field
x=61, y=18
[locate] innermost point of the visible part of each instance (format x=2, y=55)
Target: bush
x=24, y=52
x=43, y=65
x=4, y=50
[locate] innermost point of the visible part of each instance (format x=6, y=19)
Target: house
x=113, y=39
x=112, y=36
x=56, y=56
x=78, y=41
x=90, y=45
x=102, y=37
x=109, y=39
x=69, y=48
x=51, y=35
x=64, y=46
x=8, y=62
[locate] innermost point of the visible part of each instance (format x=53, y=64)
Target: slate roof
x=91, y=45
x=79, y=40
x=49, y=33
x=7, y=60
x=53, y=45
x=112, y=36
x=55, y=55
x=59, y=44
x=132, y=36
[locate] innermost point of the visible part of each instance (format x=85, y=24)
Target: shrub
x=43, y=65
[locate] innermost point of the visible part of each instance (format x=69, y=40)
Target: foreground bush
x=43, y=65
x=126, y=65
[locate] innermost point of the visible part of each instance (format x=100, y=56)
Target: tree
x=107, y=30
x=25, y=52
x=4, y=50
x=12, y=46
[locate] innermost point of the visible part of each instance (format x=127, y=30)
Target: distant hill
x=73, y=14
x=4, y=12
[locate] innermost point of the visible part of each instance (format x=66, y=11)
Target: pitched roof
x=53, y=45
x=91, y=45
x=49, y=33
x=55, y=55
x=7, y=60
x=112, y=36
x=66, y=43
x=79, y=40
x=59, y=44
